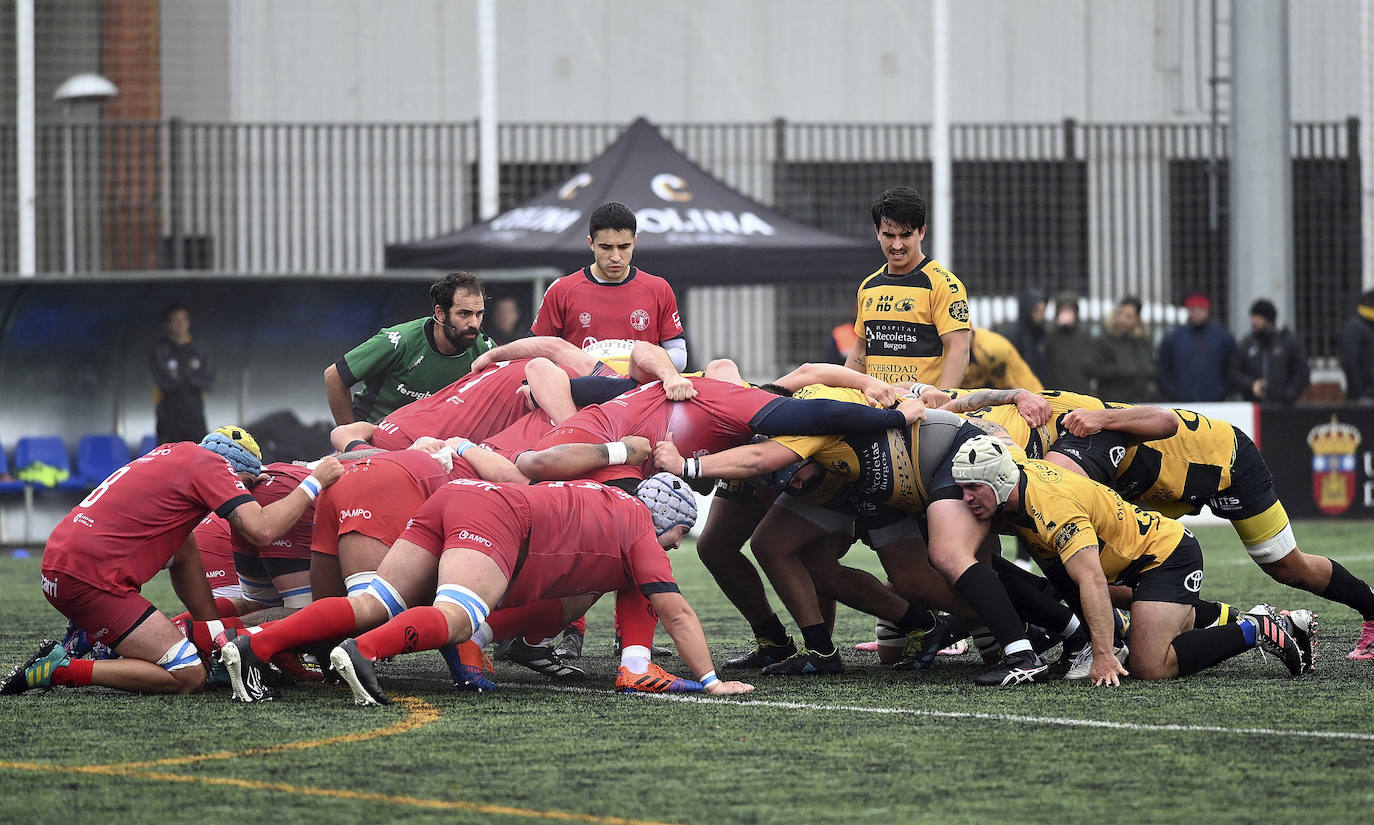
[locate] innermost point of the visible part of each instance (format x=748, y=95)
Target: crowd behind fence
x=1099, y=210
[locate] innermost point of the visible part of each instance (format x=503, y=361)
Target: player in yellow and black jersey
x=1209, y=462
x=994, y=362
x=913, y=315
x=905, y=469
x=1098, y=538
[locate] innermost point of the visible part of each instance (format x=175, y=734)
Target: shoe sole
x=1017, y=677
x=343, y=665
x=233, y=663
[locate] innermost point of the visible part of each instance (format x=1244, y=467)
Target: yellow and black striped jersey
x=1175, y=475
x=889, y=467
x=994, y=362
x=901, y=318
x=1063, y=512
x=1034, y=441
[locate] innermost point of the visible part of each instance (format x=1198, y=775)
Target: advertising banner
x=1322, y=459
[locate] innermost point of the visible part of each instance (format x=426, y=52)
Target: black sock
x=1350, y=591
x=1202, y=648
x=981, y=589
x=1206, y=613
x=817, y=639
x=772, y=630
x=916, y=618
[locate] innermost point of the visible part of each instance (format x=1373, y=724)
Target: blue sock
x=1249, y=628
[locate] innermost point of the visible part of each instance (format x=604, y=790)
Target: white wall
x=731, y=60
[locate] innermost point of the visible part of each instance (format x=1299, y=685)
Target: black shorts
x=942, y=483
x=1252, y=485
x=1177, y=580
x=1098, y=454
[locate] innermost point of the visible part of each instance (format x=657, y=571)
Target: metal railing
x=1099, y=210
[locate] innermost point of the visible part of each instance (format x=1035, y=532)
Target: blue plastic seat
x=147, y=445
x=8, y=486
x=50, y=450
x=98, y=455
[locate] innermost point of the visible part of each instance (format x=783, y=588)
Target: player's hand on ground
x=1034, y=409
x=913, y=409
x=678, y=388
x=729, y=688
x=328, y=471
x=1084, y=422
x=666, y=456
x=1106, y=671
x=638, y=448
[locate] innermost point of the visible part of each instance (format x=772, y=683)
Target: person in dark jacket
x=1194, y=358
x=1027, y=332
x=1069, y=350
x=1270, y=365
x=1357, y=352
x=1125, y=359
x=183, y=373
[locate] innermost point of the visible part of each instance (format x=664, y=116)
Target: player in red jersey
x=479, y=404
x=611, y=298
x=135, y=523
x=486, y=543
x=358, y=519
x=275, y=575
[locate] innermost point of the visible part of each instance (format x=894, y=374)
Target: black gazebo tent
x=693, y=229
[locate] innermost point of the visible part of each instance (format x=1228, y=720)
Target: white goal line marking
x=1060, y=721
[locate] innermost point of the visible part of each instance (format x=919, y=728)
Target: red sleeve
x=215, y=484
x=648, y=561
x=549, y=321
x=669, y=321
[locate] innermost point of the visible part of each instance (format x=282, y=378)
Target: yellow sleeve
x=1073, y=535
x=948, y=301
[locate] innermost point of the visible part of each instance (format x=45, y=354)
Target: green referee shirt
x=401, y=364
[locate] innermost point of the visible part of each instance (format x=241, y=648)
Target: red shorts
x=217, y=555
x=471, y=519
x=574, y=435
x=375, y=498
x=106, y=617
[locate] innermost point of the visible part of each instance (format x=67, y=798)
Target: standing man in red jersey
x=611, y=298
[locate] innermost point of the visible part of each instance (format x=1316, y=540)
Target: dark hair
x=1264, y=308
x=775, y=389
x=903, y=206
x=442, y=291
x=1367, y=299
x=612, y=216
x=1130, y=301
x=175, y=306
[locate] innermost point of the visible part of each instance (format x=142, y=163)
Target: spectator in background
x=1357, y=352
x=1124, y=365
x=1194, y=358
x=183, y=373
x=842, y=339
x=412, y=360
x=1069, y=349
x=1027, y=332
x=504, y=324
x=1270, y=364
x=993, y=363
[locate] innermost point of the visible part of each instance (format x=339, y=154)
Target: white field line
x=1055, y=721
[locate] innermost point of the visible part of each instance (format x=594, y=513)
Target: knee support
x=469, y=601
x=180, y=655
x=358, y=582
x=381, y=590
x=296, y=597
x=260, y=592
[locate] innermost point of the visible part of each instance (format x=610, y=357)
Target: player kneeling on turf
x=1098, y=538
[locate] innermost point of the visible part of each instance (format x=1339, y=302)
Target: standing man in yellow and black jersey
x=1209, y=462
x=913, y=318
x=1097, y=538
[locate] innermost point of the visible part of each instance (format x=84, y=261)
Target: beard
x=460, y=338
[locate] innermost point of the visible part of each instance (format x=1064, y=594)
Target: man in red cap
x=1195, y=358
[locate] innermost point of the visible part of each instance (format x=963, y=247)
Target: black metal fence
x=1099, y=210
